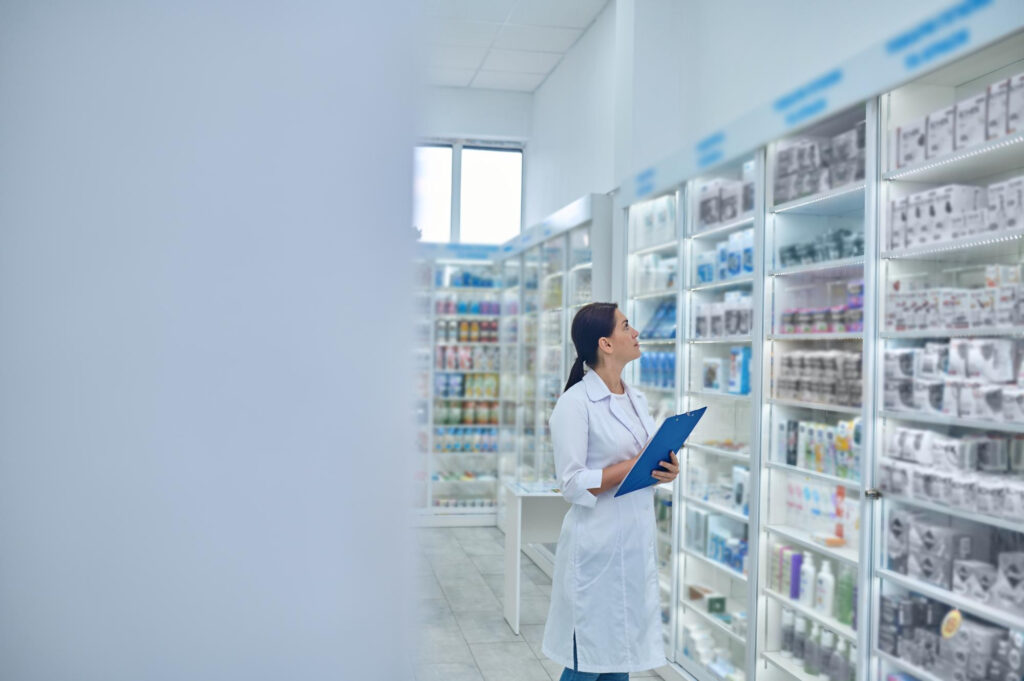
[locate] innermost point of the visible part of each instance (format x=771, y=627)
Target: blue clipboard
x=669, y=438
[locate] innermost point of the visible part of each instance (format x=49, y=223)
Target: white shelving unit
x=461, y=387
x=721, y=229
x=927, y=256
x=652, y=273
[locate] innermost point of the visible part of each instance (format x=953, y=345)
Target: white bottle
x=825, y=589
x=807, y=577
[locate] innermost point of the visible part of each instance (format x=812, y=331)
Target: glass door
x=950, y=427
x=528, y=325
x=814, y=400
x=716, y=570
x=653, y=308
x=464, y=475
x=551, y=351
x=511, y=354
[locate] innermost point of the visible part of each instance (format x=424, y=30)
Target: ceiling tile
x=463, y=33
x=453, y=57
x=536, y=38
x=521, y=62
x=472, y=10
x=565, y=13
x=450, y=77
x=500, y=80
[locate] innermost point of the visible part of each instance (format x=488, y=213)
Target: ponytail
x=592, y=323
x=575, y=374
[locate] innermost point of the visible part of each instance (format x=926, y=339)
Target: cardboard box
x=995, y=214
x=731, y=200
x=928, y=395
x=998, y=100
x=983, y=307
x=974, y=579
x=709, y=203
x=898, y=216
x=1013, y=203
x=991, y=359
x=940, y=541
x=919, y=221
x=941, y=125
x=911, y=142
x=1008, y=592
x=971, y=121
x=1015, y=105
x=975, y=221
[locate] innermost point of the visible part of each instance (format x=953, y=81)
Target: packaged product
x=998, y=100
x=971, y=122
x=941, y=124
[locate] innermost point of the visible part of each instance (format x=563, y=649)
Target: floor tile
x=468, y=598
x=533, y=610
x=532, y=633
x=448, y=672
x=462, y=634
x=486, y=626
x=535, y=574
x=553, y=669
x=483, y=547
x=435, y=611
x=508, y=662
x=443, y=644
x=492, y=564
x=427, y=586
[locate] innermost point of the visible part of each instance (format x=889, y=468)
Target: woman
x=605, y=616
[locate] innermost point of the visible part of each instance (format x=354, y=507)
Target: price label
x=951, y=623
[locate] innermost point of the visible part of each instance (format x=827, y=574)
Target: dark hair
x=592, y=323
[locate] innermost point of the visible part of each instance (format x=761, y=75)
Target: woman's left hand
x=671, y=470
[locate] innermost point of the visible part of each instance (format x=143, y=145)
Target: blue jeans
x=573, y=675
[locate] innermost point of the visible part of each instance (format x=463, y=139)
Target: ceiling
x=502, y=44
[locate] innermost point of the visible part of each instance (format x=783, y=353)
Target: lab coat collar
x=597, y=390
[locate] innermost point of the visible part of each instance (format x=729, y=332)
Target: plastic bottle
x=787, y=632
x=844, y=595
x=837, y=666
x=812, y=650
x=807, y=577
x=799, y=637
x=793, y=578
x=825, y=589
x=851, y=664
x=825, y=650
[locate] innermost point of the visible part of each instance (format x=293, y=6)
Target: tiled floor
x=463, y=635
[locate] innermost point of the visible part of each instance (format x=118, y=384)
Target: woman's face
x=623, y=346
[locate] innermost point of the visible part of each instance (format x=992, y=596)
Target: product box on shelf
x=910, y=142
x=941, y=125
x=749, y=182
x=1013, y=203
x=713, y=374
x=739, y=370
x=731, y=200
x=998, y=99
x=1015, y=105
x=709, y=202
x=898, y=218
x=971, y=122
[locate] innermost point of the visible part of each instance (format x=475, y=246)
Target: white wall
x=571, y=151
x=201, y=442
x=461, y=113
x=677, y=71
x=737, y=54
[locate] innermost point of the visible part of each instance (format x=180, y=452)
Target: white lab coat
x=605, y=586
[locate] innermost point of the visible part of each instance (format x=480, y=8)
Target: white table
x=532, y=517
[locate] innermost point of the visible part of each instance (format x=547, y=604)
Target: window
x=432, y=193
x=491, y=193
x=468, y=195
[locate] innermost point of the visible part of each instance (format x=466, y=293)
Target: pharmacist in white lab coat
x=605, y=616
